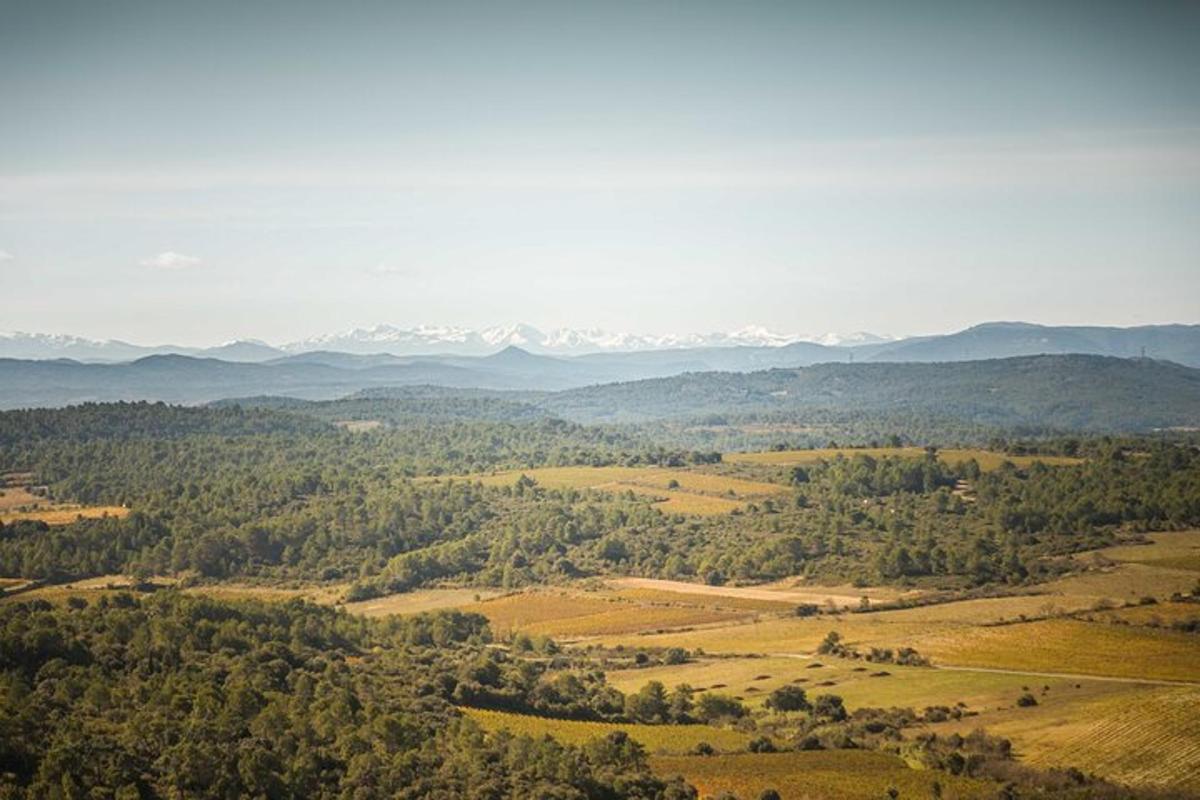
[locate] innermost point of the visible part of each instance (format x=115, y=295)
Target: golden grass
x=786, y=635
x=569, y=615
x=420, y=601
x=14, y=497
x=1123, y=583
x=754, y=679
x=1176, y=550
x=65, y=514
x=829, y=774
x=991, y=610
x=987, y=460
x=1157, y=614
x=701, y=600
x=697, y=493
x=324, y=594
x=634, y=619
x=655, y=738
x=1146, y=736
x=1070, y=646
x=358, y=425
x=792, y=591
x=91, y=588
x=670, y=502
x=17, y=502
x=1053, y=646
x=516, y=611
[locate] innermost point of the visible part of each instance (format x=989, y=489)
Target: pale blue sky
x=196, y=172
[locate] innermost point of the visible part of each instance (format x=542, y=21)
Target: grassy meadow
x=655, y=738
x=841, y=774
x=19, y=503
x=679, y=491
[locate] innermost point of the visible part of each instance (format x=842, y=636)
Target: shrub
x=712, y=707
x=761, y=745
x=788, y=698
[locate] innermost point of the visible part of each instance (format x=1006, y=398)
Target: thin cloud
x=389, y=269
x=169, y=259
x=6, y=256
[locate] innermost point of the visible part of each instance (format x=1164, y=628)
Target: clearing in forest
x=986, y=459
x=792, y=591
x=421, y=600
x=569, y=615
x=655, y=738
x=674, y=490
x=19, y=500
x=831, y=774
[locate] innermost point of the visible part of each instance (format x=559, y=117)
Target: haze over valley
x=524, y=400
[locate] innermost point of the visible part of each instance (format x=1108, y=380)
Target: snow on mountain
x=427, y=339
x=852, y=339
x=42, y=346
x=420, y=340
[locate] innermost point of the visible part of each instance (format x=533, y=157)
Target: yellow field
x=1157, y=614
x=830, y=775
x=1070, y=646
x=1123, y=583
x=13, y=497
x=645, y=595
x=697, y=492
x=420, y=601
x=92, y=588
x=1133, y=734
x=1124, y=731
x=987, y=460
x=753, y=679
x=328, y=595
x=1176, y=550
x=1059, y=646
x=17, y=502
x=655, y=738
x=991, y=610
x=65, y=514
x=359, y=425
x=567, y=615
x=672, y=502
x=793, y=591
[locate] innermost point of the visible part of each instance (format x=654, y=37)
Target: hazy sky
x=200, y=171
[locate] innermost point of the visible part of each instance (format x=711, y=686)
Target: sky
x=196, y=172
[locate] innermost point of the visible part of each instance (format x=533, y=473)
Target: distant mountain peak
x=428, y=339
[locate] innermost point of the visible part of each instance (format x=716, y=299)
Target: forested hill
x=1050, y=392
x=1064, y=391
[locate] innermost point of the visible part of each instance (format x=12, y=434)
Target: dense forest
x=221, y=492
x=171, y=696
x=174, y=695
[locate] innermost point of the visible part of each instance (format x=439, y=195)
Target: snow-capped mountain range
x=559, y=341
x=420, y=340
